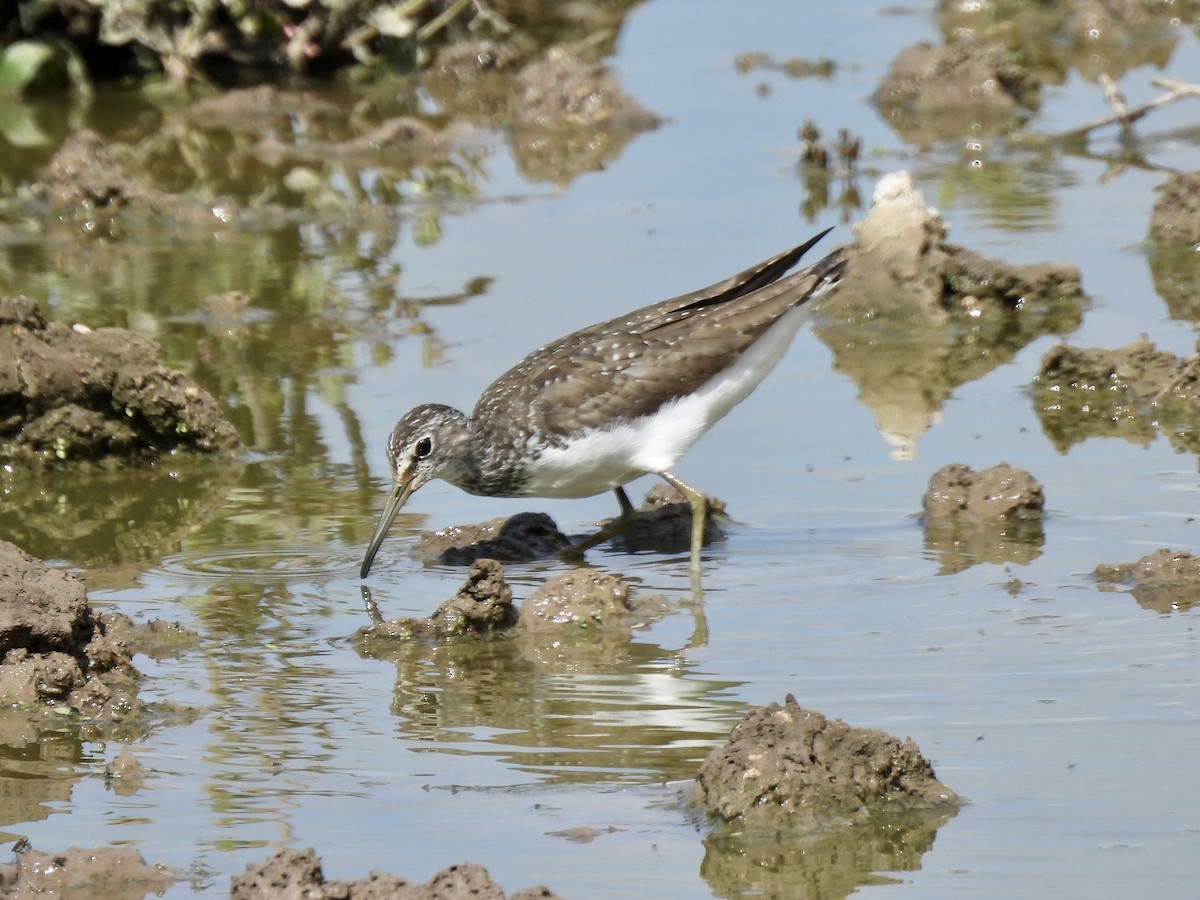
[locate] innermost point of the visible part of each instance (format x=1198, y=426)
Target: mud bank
x=786, y=766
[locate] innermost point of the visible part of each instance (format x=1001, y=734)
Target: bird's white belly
x=598, y=461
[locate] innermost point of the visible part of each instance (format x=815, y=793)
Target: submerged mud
x=584, y=604
x=662, y=524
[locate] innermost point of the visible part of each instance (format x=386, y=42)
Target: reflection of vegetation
x=83, y=513
x=819, y=175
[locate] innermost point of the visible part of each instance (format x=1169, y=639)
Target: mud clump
x=84, y=175
x=297, y=873
x=520, y=538
x=570, y=116
x=56, y=651
x=994, y=515
x=1165, y=581
x=999, y=493
x=786, y=766
x=580, y=600
x=73, y=393
x=483, y=605
x=1132, y=392
x=662, y=524
x=584, y=602
x=73, y=873
x=900, y=247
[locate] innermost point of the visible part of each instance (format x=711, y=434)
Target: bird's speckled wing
x=632, y=365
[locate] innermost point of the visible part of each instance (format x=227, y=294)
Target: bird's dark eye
x=424, y=448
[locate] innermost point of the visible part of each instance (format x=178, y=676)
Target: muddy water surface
x=1064, y=712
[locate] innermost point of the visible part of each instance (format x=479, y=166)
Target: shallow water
x=1066, y=714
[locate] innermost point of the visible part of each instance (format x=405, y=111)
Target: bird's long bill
x=397, y=497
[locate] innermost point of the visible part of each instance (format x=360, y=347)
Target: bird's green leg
x=611, y=530
x=699, y=504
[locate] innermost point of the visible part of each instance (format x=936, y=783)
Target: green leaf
x=30, y=65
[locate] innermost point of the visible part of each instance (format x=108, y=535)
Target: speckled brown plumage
x=621, y=371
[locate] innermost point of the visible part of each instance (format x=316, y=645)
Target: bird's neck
x=492, y=458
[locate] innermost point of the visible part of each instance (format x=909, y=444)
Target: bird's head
x=427, y=443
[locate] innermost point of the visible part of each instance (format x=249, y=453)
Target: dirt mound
x=998, y=493
x=482, y=605
x=55, y=649
x=937, y=92
x=785, y=766
x=993, y=515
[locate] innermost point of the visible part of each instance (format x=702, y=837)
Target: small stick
x=1176, y=90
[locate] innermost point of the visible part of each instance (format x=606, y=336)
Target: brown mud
x=994, y=515
x=1165, y=581
x=58, y=656
x=662, y=524
x=1133, y=392
x=72, y=394
x=786, y=766
x=585, y=603
x=295, y=874
x=109, y=873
